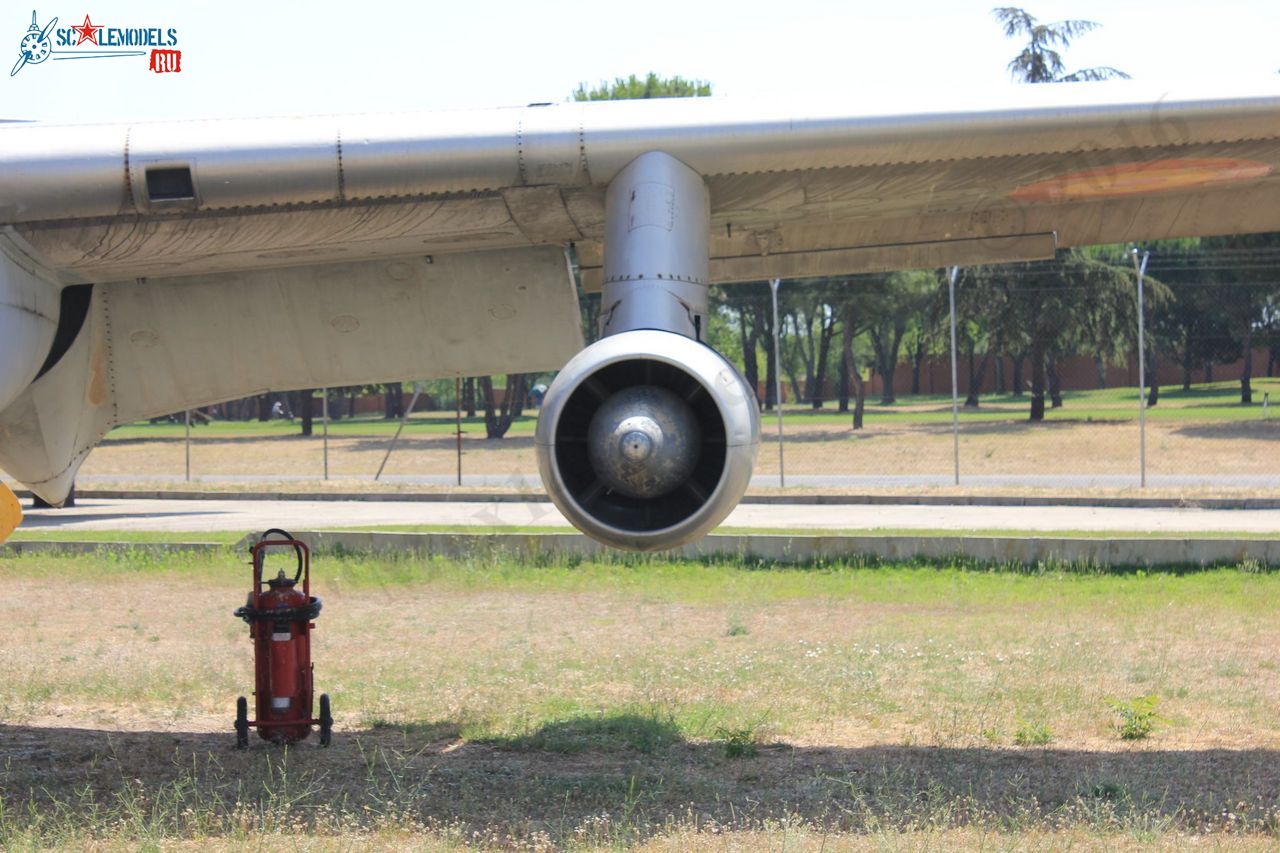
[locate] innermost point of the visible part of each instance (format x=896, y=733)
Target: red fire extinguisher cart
x=280, y=621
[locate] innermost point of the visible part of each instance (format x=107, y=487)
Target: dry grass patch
x=987, y=448
x=586, y=705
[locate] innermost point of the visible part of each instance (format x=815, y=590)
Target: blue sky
x=288, y=57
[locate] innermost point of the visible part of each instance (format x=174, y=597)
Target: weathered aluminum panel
x=835, y=262
x=28, y=318
x=410, y=154
x=154, y=346
x=240, y=164
x=470, y=151
x=782, y=179
x=185, y=342
x=104, y=250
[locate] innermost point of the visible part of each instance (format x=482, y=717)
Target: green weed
x=1032, y=734
x=1137, y=716
x=738, y=743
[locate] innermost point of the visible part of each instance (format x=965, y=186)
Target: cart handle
x=288, y=540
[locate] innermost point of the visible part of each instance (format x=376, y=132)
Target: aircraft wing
x=152, y=267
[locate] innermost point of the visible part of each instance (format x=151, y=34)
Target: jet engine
x=647, y=439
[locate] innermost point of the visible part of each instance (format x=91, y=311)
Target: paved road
x=1062, y=482
x=198, y=515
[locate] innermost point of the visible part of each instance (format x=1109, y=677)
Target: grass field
x=229, y=537
x=650, y=703
x=1204, y=431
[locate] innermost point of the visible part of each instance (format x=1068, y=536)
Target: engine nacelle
x=28, y=317
x=647, y=440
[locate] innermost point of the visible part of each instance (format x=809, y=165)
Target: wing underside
x=231, y=257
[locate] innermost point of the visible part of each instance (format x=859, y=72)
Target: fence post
x=777, y=380
x=457, y=420
x=955, y=384
x=187, y=441
x=324, y=414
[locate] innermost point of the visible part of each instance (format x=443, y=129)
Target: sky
x=284, y=57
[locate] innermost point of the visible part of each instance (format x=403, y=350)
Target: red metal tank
x=283, y=689
x=280, y=625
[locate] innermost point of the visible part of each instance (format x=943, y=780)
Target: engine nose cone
x=643, y=441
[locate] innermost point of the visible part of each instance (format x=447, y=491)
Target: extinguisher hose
x=307, y=612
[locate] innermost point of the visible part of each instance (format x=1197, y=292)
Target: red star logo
x=88, y=32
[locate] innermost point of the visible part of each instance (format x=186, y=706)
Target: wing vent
x=170, y=184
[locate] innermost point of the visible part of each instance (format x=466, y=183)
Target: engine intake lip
x=727, y=414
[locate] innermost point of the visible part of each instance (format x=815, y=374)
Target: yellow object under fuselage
x=10, y=512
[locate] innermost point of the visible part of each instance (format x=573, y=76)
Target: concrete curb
x=14, y=549
x=1103, y=553
x=800, y=500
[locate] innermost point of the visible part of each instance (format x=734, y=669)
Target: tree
x=894, y=303
x=1039, y=62
x=498, y=418
x=633, y=88
x=1192, y=328
x=807, y=305
x=1050, y=329
x=302, y=403
x=1247, y=290
x=1058, y=307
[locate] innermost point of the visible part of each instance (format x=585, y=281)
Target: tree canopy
x=1039, y=62
x=633, y=88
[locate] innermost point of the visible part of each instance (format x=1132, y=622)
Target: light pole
x=1141, y=268
x=955, y=385
x=777, y=380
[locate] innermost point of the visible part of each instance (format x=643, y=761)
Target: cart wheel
x=242, y=723
x=326, y=721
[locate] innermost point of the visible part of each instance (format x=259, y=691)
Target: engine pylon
x=647, y=438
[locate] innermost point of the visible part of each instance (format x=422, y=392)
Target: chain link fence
x=1047, y=390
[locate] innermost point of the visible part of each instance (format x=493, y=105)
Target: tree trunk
x=1101, y=367
x=999, y=374
x=1037, y=381
x=842, y=375
x=860, y=399
x=818, y=393
x=887, y=396
x=393, y=401
x=851, y=370
x=749, y=337
x=498, y=419
x=1186, y=360
x=1208, y=371
x=846, y=357
x=306, y=409
x=264, y=407
x=1153, y=381
x=975, y=380
x=886, y=343
x=469, y=396
x=1017, y=373
x=1055, y=383
x=1246, y=371
x=351, y=402
x=917, y=356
